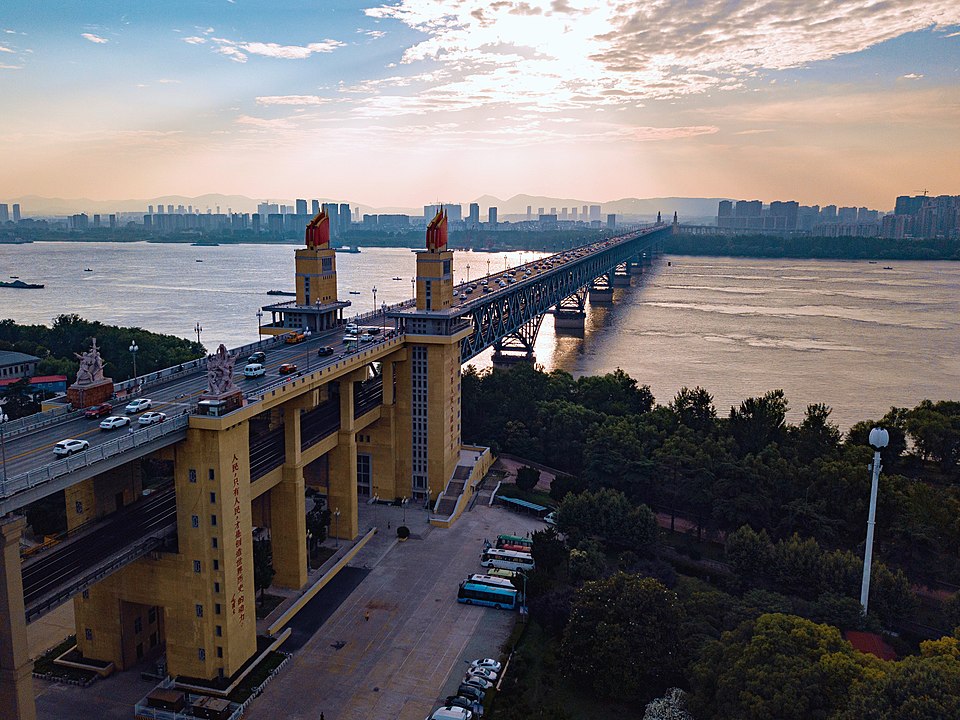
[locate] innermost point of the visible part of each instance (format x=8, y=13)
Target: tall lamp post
x=3, y=447
x=468, y=272
x=133, y=351
x=336, y=517
x=309, y=538
x=259, y=324
x=374, y=298
x=198, y=330
x=879, y=438
x=404, y=503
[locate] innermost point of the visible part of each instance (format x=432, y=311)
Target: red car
x=287, y=368
x=97, y=411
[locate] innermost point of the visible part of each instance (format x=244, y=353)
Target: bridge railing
x=29, y=423
x=98, y=453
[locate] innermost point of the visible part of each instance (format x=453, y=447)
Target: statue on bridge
x=91, y=366
x=220, y=372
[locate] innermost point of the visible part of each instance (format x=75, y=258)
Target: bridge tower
x=427, y=376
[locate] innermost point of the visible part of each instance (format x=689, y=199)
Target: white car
x=114, y=421
x=486, y=664
x=476, y=681
x=486, y=674
x=68, y=447
x=150, y=418
x=139, y=405
x=366, y=337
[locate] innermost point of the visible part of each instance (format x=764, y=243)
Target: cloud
x=6, y=49
x=94, y=38
x=168, y=81
x=265, y=123
x=10, y=67
x=239, y=51
x=291, y=100
x=375, y=34
x=913, y=76
x=622, y=52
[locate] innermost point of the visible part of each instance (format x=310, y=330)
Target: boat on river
x=280, y=292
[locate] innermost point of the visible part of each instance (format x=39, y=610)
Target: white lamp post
x=3, y=447
x=879, y=438
x=133, y=351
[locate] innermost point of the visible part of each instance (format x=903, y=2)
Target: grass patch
x=535, y=496
x=256, y=677
x=44, y=665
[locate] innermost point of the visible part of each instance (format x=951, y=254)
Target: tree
x=527, y=477
x=549, y=550
x=587, y=562
x=916, y=688
x=263, y=571
x=672, y=706
x=750, y=553
x=694, y=408
x=563, y=484
x=18, y=401
x=777, y=666
x=609, y=516
x=759, y=421
x=615, y=393
x=623, y=635
x=817, y=436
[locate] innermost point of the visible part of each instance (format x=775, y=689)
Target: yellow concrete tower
x=317, y=265
x=435, y=268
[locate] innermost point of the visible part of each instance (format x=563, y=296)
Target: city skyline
x=391, y=103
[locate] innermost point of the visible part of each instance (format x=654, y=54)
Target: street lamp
x=133, y=351
x=488, y=266
x=468, y=272
x=374, y=298
x=404, y=504
x=413, y=287
x=198, y=330
x=259, y=324
x=3, y=447
x=336, y=517
x=309, y=538
x=879, y=438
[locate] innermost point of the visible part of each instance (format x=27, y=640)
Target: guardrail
x=29, y=423
x=99, y=453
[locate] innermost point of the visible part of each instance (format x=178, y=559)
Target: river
x=852, y=334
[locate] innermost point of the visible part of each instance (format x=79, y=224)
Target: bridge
x=367, y=419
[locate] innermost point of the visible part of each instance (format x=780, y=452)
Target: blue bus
x=498, y=597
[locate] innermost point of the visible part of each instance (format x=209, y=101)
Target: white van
x=252, y=370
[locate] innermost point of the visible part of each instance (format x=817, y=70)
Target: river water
x=852, y=334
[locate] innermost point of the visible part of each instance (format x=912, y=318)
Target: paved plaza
x=385, y=641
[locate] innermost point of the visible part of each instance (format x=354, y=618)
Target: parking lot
x=414, y=648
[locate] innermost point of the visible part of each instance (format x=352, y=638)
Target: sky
x=405, y=102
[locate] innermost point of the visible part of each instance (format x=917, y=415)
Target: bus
x=514, y=542
x=502, y=573
x=490, y=580
x=498, y=597
x=507, y=559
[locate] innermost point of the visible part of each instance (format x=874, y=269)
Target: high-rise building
x=828, y=214
x=907, y=205
x=149, y=209
x=529, y=212
x=345, y=217
x=16, y=212
x=594, y=212
x=492, y=215
x=474, y=217
x=113, y=221
x=301, y=206
x=573, y=214
x=783, y=215
x=4, y=212
x=314, y=207
x=267, y=208
x=847, y=216
x=256, y=222
x=563, y=213
x=333, y=212
x=611, y=221
x=170, y=209
x=540, y=211
x=96, y=220
x=725, y=210
x=553, y=211
x=585, y=213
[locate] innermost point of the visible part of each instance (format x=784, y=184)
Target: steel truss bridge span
x=507, y=311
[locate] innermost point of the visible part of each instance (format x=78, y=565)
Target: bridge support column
x=288, y=518
x=102, y=495
x=621, y=281
x=343, y=466
x=601, y=292
x=16, y=668
x=569, y=322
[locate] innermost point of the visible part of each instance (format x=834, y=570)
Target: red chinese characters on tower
x=237, y=601
x=437, y=232
x=318, y=232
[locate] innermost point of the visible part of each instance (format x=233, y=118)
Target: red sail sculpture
x=318, y=232
x=437, y=232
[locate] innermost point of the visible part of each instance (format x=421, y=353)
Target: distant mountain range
x=33, y=205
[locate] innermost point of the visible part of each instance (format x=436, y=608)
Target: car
x=138, y=405
x=465, y=703
x=68, y=447
x=451, y=712
x=487, y=664
x=463, y=296
x=114, y=421
x=101, y=410
x=296, y=337
x=485, y=673
x=287, y=368
x=325, y=351
x=366, y=337
x=252, y=370
x=550, y=518
x=471, y=691
x=477, y=682
x=151, y=418
x=257, y=357
x=373, y=330
x=352, y=328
